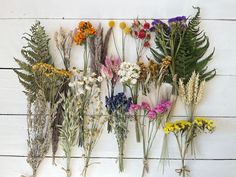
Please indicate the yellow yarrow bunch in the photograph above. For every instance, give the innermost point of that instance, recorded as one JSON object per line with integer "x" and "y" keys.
{"x": 177, "y": 126}
{"x": 49, "y": 70}
{"x": 204, "y": 123}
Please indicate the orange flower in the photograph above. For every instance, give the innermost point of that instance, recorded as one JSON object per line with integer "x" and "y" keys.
{"x": 84, "y": 30}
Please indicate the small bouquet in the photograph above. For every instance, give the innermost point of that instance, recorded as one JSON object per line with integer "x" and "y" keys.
{"x": 151, "y": 120}
{"x": 142, "y": 35}
{"x": 118, "y": 106}
{"x": 110, "y": 72}
{"x": 82, "y": 34}
{"x": 129, "y": 74}
{"x": 86, "y": 89}
{"x": 185, "y": 132}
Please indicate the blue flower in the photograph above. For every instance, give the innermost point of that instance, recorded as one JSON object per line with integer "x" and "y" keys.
{"x": 118, "y": 102}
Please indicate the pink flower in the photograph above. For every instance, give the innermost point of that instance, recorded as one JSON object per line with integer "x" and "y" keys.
{"x": 152, "y": 114}
{"x": 134, "y": 107}
{"x": 106, "y": 72}
{"x": 162, "y": 107}
{"x": 145, "y": 106}
{"x": 111, "y": 68}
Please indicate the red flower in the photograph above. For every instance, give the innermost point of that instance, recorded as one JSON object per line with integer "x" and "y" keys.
{"x": 135, "y": 33}
{"x": 146, "y": 44}
{"x": 146, "y": 25}
{"x": 142, "y": 34}
{"x": 148, "y": 36}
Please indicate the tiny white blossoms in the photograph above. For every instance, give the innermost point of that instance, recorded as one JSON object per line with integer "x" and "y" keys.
{"x": 129, "y": 73}
{"x": 83, "y": 84}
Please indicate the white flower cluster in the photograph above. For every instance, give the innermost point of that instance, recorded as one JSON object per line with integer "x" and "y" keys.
{"x": 83, "y": 84}
{"x": 129, "y": 73}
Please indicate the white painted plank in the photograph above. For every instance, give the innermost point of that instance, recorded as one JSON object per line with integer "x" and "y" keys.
{"x": 219, "y": 145}
{"x": 13, "y": 100}
{"x": 224, "y": 58}
{"x": 114, "y": 9}
{"x": 14, "y": 167}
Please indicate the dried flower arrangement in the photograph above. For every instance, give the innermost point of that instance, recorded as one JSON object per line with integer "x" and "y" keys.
{"x": 65, "y": 104}
{"x": 41, "y": 82}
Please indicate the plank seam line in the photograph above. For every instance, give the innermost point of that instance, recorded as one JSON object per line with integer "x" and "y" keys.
{"x": 96, "y": 18}
{"x": 216, "y": 117}
{"x": 8, "y": 68}
{"x": 128, "y": 158}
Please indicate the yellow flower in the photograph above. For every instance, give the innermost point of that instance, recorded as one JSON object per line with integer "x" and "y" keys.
{"x": 122, "y": 25}
{"x": 127, "y": 30}
{"x": 111, "y": 23}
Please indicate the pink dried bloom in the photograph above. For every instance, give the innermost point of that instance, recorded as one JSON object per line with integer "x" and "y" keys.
{"x": 145, "y": 106}
{"x": 162, "y": 107}
{"x": 134, "y": 107}
{"x": 152, "y": 114}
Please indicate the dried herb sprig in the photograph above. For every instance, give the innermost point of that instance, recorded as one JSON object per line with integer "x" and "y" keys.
{"x": 69, "y": 128}
{"x": 93, "y": 124}
{"x": 64, "y": 42}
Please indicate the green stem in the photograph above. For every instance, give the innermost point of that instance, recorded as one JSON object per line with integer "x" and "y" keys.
{"x": 121, "y": 156}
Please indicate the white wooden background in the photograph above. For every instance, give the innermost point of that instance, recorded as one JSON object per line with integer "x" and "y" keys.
{"x": 216, "y": 153}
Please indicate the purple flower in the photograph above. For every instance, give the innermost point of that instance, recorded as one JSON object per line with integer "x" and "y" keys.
{"x": 178, "y": 19}
{"x": 152, "y": 114}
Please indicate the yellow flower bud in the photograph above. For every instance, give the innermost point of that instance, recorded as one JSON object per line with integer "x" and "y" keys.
{"x": 122, "y": 25}
{"x": 111, "y": 23}
{"x": 127, "y": 30}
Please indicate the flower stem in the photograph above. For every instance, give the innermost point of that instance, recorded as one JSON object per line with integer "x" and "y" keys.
{"x": 121, "y": 157}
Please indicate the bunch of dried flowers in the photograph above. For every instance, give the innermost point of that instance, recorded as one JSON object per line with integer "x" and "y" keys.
{"x": 185, "y": 132}
{"x": 118, "y": 105}
{"x": 150, "y": 122}
{"x": 83, "y": 32}
{"x": 64, "y": 42}
{"x": 142, "y": 35}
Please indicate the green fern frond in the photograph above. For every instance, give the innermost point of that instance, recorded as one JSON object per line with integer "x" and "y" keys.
{"x": 190, "y": 48}
{"x": 36, "y": 50}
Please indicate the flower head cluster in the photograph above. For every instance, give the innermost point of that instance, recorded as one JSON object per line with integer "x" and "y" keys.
{"x": 49, "y": 70}
{"x": 152, "y": 113}
{"x": 111, "y": 68}
{"x": 142, "y": 32}
{"x": 204, "y": 123}
{"x": 177, "y": 21}
{"x": 129, "y": 73}
{"x": 83, "y": 83}
{"x": 179, "y": 126}
{"x": 149, "y": 70}
{"x": 83, "y": 31}
{"x": 118, "y": 102}
{"x": 155, "y": 24}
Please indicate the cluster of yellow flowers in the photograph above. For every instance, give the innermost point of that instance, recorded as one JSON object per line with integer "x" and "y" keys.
{"x": 177, "y": 126}
{"x": 182, "y": 125}
{"x": 49, "y": 70}
{"x": 122, "y": 25}
{"x": 204, "y": 123}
